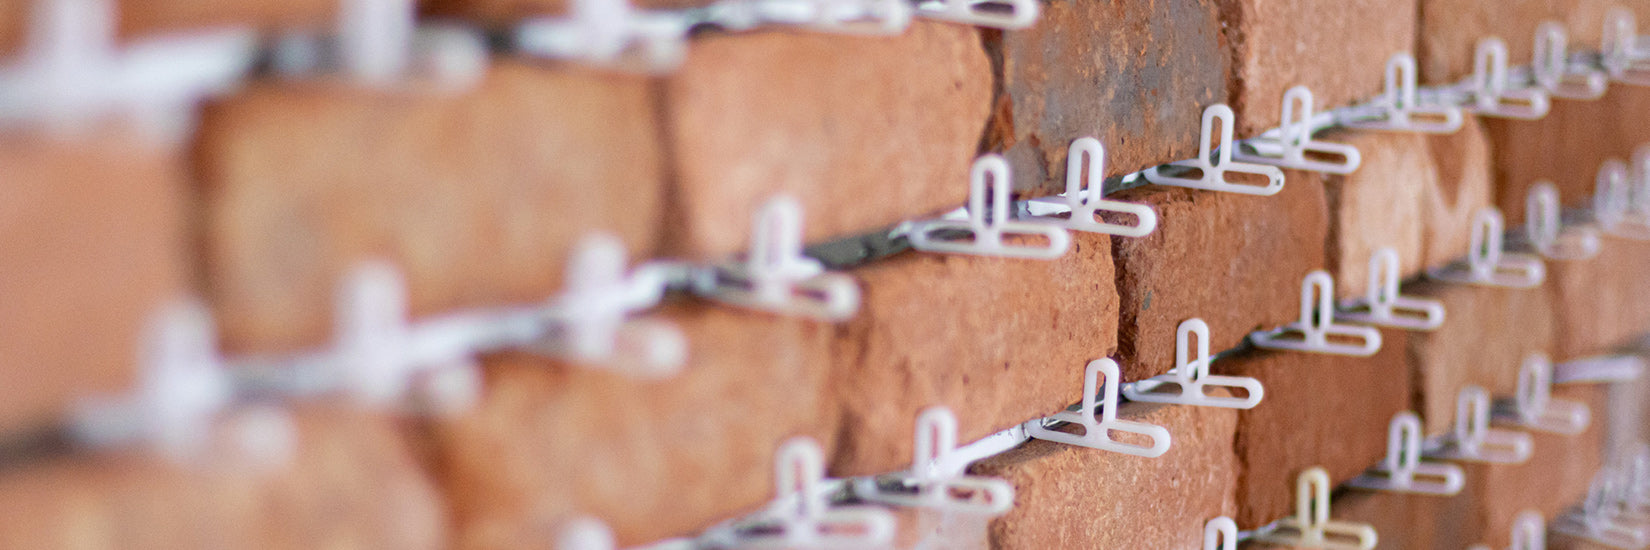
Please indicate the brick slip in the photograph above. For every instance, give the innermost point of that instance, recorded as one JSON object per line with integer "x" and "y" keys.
{"x": 1566, "y": 147}
{"x": 820, "y": 117}
{"x": 1376, "y": 207}
{"x": 1460, "y": 186}
{"x": 1555, "y": 477}
{"x": 1450, "y": 30}
{"x": 1600, "y": 302}
{"x": 471, "y": 195}
{"x": 652, "y": 458}
{"x": 1076, "y": 497}
{"x": 1135, "y": 75}
{"x": 1296, "y": 427}
{"x": 1236, "y": 261}
{"x": 1486, "y": 335}
{"x": 92, "y": 230}
{"x": 999, "y": 341}
{"x": 1337, "y": 48}
{"x": 353, "y": 482}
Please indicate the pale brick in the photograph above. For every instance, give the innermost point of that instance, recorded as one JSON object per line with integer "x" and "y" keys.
{"x": 1378, "y": 206}
{"x": 1486, "y": 335}
{"x": 1461, "y": 186}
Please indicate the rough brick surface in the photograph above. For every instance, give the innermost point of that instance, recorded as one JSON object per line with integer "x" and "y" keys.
{"x": 999, "y": 341}
{"x": 352, "y": 483}
{"x": 820, "y": 117}
{"x": 93, "y": 233}
{"x": 471, "y": 195}
{"x": 1487, "y": 333}
{"x": 1599, "y": 302}
{"x": 1076, "y": 497}
{"x": 1337, "y": 48}
{"x": 1450, "y": 29}
{"x": 1378, "y": 206}
{"x": 1555, "y": 477}
{"x": 1236, "y": 261}
{"x": 1566, "y": 147}
{"x": 1135, "y": 75}
{"x": 652, "y": 458}
{"x": 1460, "y": 187}
{"x": 1319, "y": 410}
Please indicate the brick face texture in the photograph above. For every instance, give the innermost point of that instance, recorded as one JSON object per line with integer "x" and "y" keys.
{"x": 1135, "y": 75}
{"x": 817, "y": 116}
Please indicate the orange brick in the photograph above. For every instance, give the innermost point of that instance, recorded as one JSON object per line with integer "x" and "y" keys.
{"x": 818, "y": 117}
{"x": 1450, "y": 29}
{"x": 472, "y": 195}
{"x": 1461, "y": 186}
{"x": 1378, "y": 206}
{"x": 1486, "y": 335}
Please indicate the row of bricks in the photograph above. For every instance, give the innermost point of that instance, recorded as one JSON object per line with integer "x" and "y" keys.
{"x": 549, "y": 440}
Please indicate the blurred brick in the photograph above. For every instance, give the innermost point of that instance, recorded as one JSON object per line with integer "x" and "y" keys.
{"x": 1486, "y": 335}
{"x": 864, "y": 131}
{"x": 1076, "y": 497}
{"x": 1135, "y": 75}
{"x": 1319, "y": 410}
{"x": 1567, "y": 147}
{"x": 93, "y": 232}
{"x": 1459, "y": 188}
{"x": 1337, "y": 48}
{"x": 1396, "y": 519}
{"x": 1450, "y": 30}
{"x": 1555, "y": 477}
{"x": 353, "y": 482}
{"x": 999, "y": 341}
{"x": 653, "y": 458}
{"x": 505, "y": 13}
{"x": 472, "y": 195}
{"x": 1236, "y": 261}
{"x": 1600, "y": 302}
{"x": 139, "y": 19}
{"x": 1378, "y": 206}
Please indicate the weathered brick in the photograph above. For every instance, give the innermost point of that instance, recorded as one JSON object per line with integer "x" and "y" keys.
{"x": 353, "y": 482}
{"x": 1555, "y": 477}
{"x": 1320, "y": 410}
{"x": 653, "y": 458}
{"x": 999, "y": 341}
{"x": 1378, "y": 206}
{"x": 1486, "y": 335}
{"x": 1135, "y": 75}
{"x": 819, "y": 117}
{"x": 472, "y": 195}
{"x": 1075, "y": 497}
{"x": 1460, "y": 187}
{"x": 1236, "y": 261}
{"x": 1337, "y": 48}
{"x": 94, "y": 235}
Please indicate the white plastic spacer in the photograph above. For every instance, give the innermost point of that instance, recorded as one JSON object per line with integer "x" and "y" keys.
{"x": 1085, "y": 205}
{"x": 1534, "y": 407}
{"x": 986, "y": 225}
{"x": 1487, "y": 264}
{"x": 592, "y": 313}
{"x": 1313, "y": 332}
{"x": 803, "y": 517}
{"x": 1384, "y": 306}
{"x": 1003, "y": 14}
{"x": 1311, "y": 527}
{"x": 1551, "y": 65}
{"x": 1492, "y": 95}
{"x": 609, "y": 33}
{"x": 1543, "y": 227}
{"x": 1097, "y": 430}
{"x": 1212, "y": 174}
{"x": 1621, "y": 198}
{"x": 584, "y": 533}
{"x": 925, "y": 486}
{"x": 1289, "y": 144}
{"x": 1402, "y": 471}
{"x": 1599, "y": 517}
{"x": 1620, "y": 53}
{"x": 1398, "y": 109}
{"x": 1191, "y": 376}
{"x": 776, "y": 276}
{"x": 1473, "y": 440}
{"x": 1220, "y": 533}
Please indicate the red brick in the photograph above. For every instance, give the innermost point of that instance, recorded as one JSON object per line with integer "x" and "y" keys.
{"x": 818, "y": 116}
{"x": 1076, "y": 497}
{"x": 1461, "y": 186}
{"x": 1319, "y": 410}
{"x": 471, "y": 195}
{"x": 1567, "y": 147}
{"x": 1486, "y": 335}
{"x": 352, "y": 482}
{"x": 1135, "y": 75}
{"x": 1236, "y": 261}
{"x": 1378, "y": 206}
{"x": 653, "y": 458}
{"x": 1277, "y": 45}
{"x": 94, "y": 234}
{"x": 1555, "y": 477}
{"x": 1599, "y": 302}
{"x": 960, "y": 331}
{"x": 1450, "y": 29}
